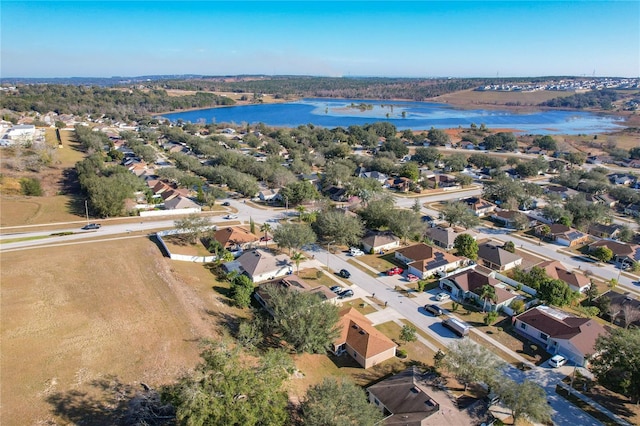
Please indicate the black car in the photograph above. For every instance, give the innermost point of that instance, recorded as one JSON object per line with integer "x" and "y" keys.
{"x": 226, "y": 204}
{"x": 344, "y": 273}
{"x": 427, "y": 218}
{"x": 434, "y": 310}
{"x": 345, "y": 293}
{"x": 336, "y": 289}
{"x": 91, "y": 226}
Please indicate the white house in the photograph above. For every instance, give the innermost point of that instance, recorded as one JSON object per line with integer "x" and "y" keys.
{"x": 261, "y": 265}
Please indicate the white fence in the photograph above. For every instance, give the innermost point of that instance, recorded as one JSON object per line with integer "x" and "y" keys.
{"x": 182, "y": 257}
{"x": 174, "y": 212}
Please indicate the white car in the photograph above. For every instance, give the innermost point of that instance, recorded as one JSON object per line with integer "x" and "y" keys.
{"x": 442, "y": 296}
{"x": 557, "y": 361}
{"x": 356, "y": 251}
{"x": 231, "y": 216}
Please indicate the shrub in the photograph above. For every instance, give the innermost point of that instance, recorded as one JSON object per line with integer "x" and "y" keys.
{"x": 401, "y": 353}
{"x": 31, "y": 186}
{"x": 490, "y": 317}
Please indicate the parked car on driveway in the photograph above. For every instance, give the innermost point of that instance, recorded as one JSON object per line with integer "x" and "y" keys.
{"x": 336, "y": 288}
{"x": 263, "y": 238}
{"x": 345, "y": 293}
{"x": 91, "y": 226}
{"x": 354, "y": 251}
{"x": 442, "y": 296}
{"x": 231, "y": 216}
{"x": 344, "y": 273}
{"x": 411, "y": 277}
{"x": 226, "y": 204}
{"x": 557, "y": 361}
{"x": 395, "y": 271}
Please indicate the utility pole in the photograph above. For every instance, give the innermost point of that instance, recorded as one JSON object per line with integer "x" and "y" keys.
{"x": 86, "y": 210}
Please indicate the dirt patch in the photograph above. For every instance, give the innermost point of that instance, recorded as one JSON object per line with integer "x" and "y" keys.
{"x": 95, "y": 312}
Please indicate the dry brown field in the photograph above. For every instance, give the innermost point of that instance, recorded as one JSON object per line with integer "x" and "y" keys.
{"x": 487, "y": 99}
{"x": 21, "y": 210}
{"x": 79, "y": 320}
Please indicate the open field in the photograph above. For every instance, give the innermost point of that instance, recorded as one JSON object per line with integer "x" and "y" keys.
{"x": 90, "y": 316}
{"x": 21, "y": 210}
{"x": 487, "y": 99}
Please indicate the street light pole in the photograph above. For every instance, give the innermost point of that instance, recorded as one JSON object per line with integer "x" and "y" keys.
{"x": 86, "y": 210}
{"x": 620, "y": 270}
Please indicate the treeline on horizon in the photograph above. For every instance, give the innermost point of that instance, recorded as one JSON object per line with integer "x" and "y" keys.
{"x": 113, "y": 103}
{"x": 594, "y": 99}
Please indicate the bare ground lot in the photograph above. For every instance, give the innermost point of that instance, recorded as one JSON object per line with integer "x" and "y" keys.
{"x": 488, "y": 99}
{"x": 79, "y": 319}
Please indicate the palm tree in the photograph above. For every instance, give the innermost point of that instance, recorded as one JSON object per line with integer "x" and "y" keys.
{"x": 298, "y": 257}
{"x": 301, "y": 210}
{"x": 265, "y": 228}
{"x": 487, "y": 292}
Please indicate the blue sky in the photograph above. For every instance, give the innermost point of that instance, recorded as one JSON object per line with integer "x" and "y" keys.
{"x": 412, "y": 39}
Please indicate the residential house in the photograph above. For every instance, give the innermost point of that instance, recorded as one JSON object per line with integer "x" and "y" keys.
{"x": 536, "y": 150}
{"x": 361, "y": 340}
{"x": 622, "y": 252}
{"x": 260, "y": 265}
{"x": 293, "y": 283}
{"x": 468, "y": 285}
{"x": 479, "y": 206}
{"x": 404, "y": 399}
{"x": 560, "y": 190}
{"x": 557, "y": 271}
{"x": 445, "y": 237}
{"x": 441, "y": 181}
{"x": 270, "y": 195}
{"x": 606, "y": 199}
{"x": 632, "y": 210}
{"x": 563, "y": 235}
{"x": 624, "y": 304}
{"x": 400, "y": 183}
{"x": 380, "y": 177}
{"x": 497, "y": 258}
{"x": 507, "y": 218}
{"x": 560, "y": 332}
{"x": 601, "y": 230}
{"x": 424, "y": 261}
{"x": 181, "y": 202}
{"x": 336, "y": 193}
{"x": 235, "y": 238}
{"x": 621, "y": 179}
{"x": 375, "y": 242}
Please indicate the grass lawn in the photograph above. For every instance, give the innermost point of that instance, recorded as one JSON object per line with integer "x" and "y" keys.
{"x": 362, "y": 268}
{"x": 99, "y": 314}
{"x": 616, "y": 403}
{"x": 361, "y": 306}
{"x": 20, "y": 210}
{"x": 416, "y": 351}
{"x": 70, "y": 152}
{"x": 177, "y": 246}
{"x": 425, "y": 336}
{"x": 381, "y": 263}
{"x": 314, "y": 278}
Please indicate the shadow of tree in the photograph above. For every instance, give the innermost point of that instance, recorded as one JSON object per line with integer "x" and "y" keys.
{"x": 111, "y": 402}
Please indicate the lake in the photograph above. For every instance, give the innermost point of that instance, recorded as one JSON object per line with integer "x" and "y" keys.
{"x": 332, "y": 113}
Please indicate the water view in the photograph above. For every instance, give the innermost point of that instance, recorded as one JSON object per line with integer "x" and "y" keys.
{"x": 404, "y": 115}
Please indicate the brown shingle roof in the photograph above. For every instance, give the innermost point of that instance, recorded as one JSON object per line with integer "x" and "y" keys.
{"x": 557, "y": 271}
{"x": 356, "y": 330}
{"x": 229, "y": 237}
{"x": 496, "y": 255}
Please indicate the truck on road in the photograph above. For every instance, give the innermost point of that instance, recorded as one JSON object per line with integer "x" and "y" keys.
{"x": 459, "y": 327}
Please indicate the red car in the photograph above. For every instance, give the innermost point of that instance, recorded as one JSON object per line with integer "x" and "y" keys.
{"x": 411, "y": 277}
{"x": 395, "y": 271}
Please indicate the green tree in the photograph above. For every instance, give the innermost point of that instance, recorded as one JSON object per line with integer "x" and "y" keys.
{"x": 299, "y": 192}
{"x": 509, "y": 246}
{"x": 416, "y": 206}
{"x": 487, "y": 292}
{"x": 405, "y": 224}
{"x": 456, "y": 162}
{"x": 490, "y": 317}
{"x": 603, "y": 254}
{"x": 226, "y": 390}
{"x": 617, "y": 365}
{"x": 302, "y": 319}
{"x": 241, "y": 290}
{"x": 438, "y": 359}
{"x": 266, "y": 228}
{"x": 438, "y": 137}
{"x": 31, "y": 187}
{"x": 556, "y": 292}
{"x": 466, "y": 246}
{"x": 297, "y": 258}
{"x": 426, "y": 155}
{"x": 410, "y": 170}
{"x": 377, "y": 213}
{"x": 525, "y": 400}
{"x": 544, "y": 230}
{"x": 193, "y": 227}
{"x": 334, "y": 225}
{"x": 472, "y": 363}
{"x": 294, "y": 235}
{"x": 338, "y": 403}
{"x": 546, "y": 142}
{"x": 408, "y": 334}
{"x": 625, "y": 234}
{"x": 591, "y": 293}
{"x": 463, "y": 180}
